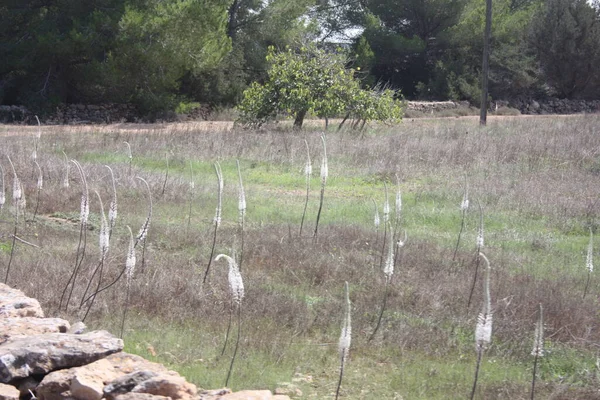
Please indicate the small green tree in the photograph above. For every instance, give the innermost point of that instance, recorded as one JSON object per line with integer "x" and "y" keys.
{"x": 312, "y": 80}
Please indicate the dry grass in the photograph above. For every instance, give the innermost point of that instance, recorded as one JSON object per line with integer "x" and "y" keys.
{"x": 538, "y": 179}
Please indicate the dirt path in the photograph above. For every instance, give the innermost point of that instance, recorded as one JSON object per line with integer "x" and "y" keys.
{"x": 173, "y": 127}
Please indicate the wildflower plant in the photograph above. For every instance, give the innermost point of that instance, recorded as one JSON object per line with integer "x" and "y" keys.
{"x": 236, "y": 289}
{"x": 345, "y": 338}
{"x": 538, "y": 346}
{"x": 483, "y": 329}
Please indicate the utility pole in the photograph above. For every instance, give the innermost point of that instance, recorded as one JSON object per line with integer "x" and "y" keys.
{"x": 486, "y": 62}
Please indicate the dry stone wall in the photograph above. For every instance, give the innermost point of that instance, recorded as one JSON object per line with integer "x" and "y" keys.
{"x": 48, "y": 359}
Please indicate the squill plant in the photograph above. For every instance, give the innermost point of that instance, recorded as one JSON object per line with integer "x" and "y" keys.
{"x": 103, "y": 244}
{"x": 386, "y": 224}
{"x": 2, "y": 189}
{"x": 143, "y": 232}
{"x": 162, "y": 193}
{"x": 217, "y": 219}
{"x": 241, "y": 213}
{"x": 81, "y": 246}
{"x": 398, "y": 210}
{"x": 324, "y": 175}
{"x": 192, "y": 186}
{"x": 17, "y": 195}
{"x": 129, "y": 156}
{"x": 464, "y": 206}
{"x": 376, "y": 221}
{"x": 479, "y": 246}
{"x": 113, "y": 206}
{"x": 129, "y": 270}
{"x": 483, "y": 331}
{"x": 345, "y": 339}
{"x": 236, "y": 288}
{"x": 538, "y": 346}
{"x": 589, "y": 262}
{"x": 39, "y": 187}
{"x": 65, "y": 181}
{"x": 307, "y": 175}
{"x": 36, "y": 142}
{"x": 388, "y": 272}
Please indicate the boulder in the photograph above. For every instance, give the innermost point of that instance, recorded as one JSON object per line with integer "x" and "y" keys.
{"x": 14, "y": 303}
{"x": 8, "y": 392}
{"x": 21, "y": 357}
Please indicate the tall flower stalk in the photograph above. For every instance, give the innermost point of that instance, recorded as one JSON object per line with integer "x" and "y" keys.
{"x": 103, "y": 244}
{"x": 483, "y": 331}
{"x": 129, "y": 156}
{"x": 324, "y": 175}
{"x": 388, "y": 272}
{"x": 479, "y": 246}
{"x": 538, "y": 347}
{"x": 464, "y": 206}
{"x": 376, "y": 221}
{"x": 17, "y": 195}
{"x": 217, "y": 219}
{"x": 307, "y": 175}
{"x": 241, "y": 213}
{"x": 39, "y": 187}
{"x": 2, "y": 189}
{"x": 65, "y": 180}
{"x": 113, "y": 206}
{"x": 589, "y": 262}
{"x": 129, "y": 270}
{"x": 345, "y": 339}
{"x": 162, "y": 193}
{"x": 84, "y": 212}
{"x": 192, "y": 187}
{"x": 236, "y": 288}
{"x": 386, "y": 224}
{"x": 143, "y": 232}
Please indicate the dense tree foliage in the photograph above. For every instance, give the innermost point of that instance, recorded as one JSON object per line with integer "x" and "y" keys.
{"x": 158, "y": 53}
{"x": 312, "y": 80}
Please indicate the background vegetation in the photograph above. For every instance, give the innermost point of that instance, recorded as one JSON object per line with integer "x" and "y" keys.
{"x": 537, "y": 179}
{"x": 157, "y": 54}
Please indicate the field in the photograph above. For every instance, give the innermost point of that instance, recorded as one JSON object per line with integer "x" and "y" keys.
{"x": 537, "y": 180}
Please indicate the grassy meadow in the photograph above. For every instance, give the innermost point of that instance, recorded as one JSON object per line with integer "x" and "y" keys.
{"x": 537, "y": 180}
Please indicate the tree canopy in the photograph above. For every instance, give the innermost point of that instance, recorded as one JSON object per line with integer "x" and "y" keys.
{"x": 158, "y": 53}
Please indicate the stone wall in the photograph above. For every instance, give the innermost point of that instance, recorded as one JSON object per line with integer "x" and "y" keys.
{"x": 434, "y": 106}
{"x": 48, "y": 359}
{"x": 554, "y": 106}
{"x": 93, "y": 114}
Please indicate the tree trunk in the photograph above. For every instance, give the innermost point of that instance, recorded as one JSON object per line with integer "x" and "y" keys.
{"x": 300, "y": 119}
{"x": 232, "y": 22}
{"x": 486, "y": 62}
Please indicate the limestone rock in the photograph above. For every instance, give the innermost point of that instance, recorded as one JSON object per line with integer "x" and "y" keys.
{"x": 252, "y": 395}
{"x": 14, "y": 303}
{"x": 140, "y": 396}
{"x": 56, "y": 385}
{"x": 27, "y": 326}
{"x": 168, "y": 385}
{"x": 77, "y": 328}
{"x": 88, "y": 381}
{"x": 213, "y": 394}
{"x": 126, "y": 383}
{"x": 8, "y": 392}
{"x": 21, "y": 357}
